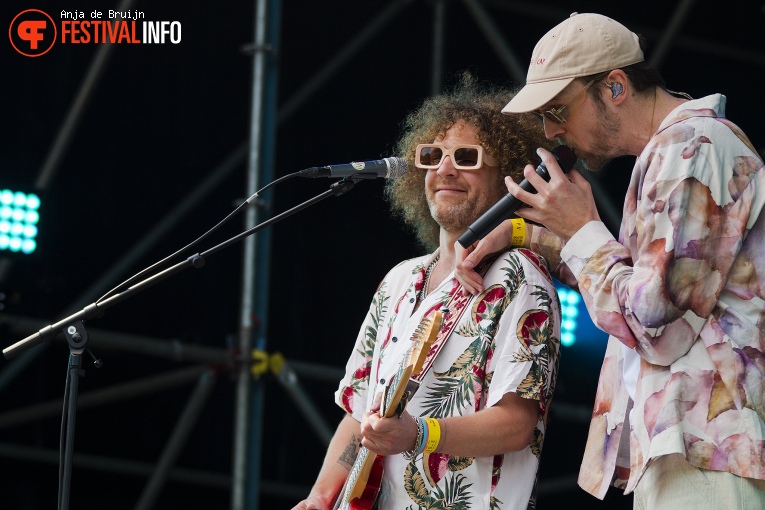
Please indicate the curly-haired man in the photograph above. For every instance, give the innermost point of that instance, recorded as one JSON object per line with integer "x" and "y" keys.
{"x": 472, "y": 431}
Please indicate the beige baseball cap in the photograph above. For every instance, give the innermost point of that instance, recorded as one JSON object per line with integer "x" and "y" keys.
{"x": 582, "y": 45}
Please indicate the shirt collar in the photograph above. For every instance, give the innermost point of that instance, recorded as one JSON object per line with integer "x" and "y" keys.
{"x": 709, "y": 106}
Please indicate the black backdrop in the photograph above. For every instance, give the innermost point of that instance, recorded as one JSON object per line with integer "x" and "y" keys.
{"x": 158, "y": 122}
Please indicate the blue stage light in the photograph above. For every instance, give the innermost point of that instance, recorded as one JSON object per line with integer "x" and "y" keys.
{"x": 569, "y": 312}
{"x": 576, "y": 324}
{"x": 18, "y": 221}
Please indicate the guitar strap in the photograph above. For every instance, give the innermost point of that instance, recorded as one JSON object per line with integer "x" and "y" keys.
{"x": 455, "y": 308}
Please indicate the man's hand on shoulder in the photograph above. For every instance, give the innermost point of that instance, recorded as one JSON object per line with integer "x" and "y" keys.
{"x": 468, "y": 258}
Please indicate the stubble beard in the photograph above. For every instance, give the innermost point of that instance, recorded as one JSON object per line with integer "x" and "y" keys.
{"x": 603, "y": 148}
{"x": 455, "y": 218}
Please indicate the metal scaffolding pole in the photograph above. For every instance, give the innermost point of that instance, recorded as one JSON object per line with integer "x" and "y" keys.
{"x": 177, "y": 440}
{"x": 98, "y": 397}
{"x": 246, "y": 468}
{"x": 350, "y": 49}
{"x": 497, "y": 41}
{"x": 67, "y": 129}
{"x": 291, "y": 384}
{"x": 439, "y": 36}
{"x": 668, "y": 35}
{"x": 254, "y": 483}
{"x": 117, "y": 466}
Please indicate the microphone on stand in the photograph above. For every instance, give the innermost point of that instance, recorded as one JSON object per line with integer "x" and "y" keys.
{"x": 508, "y": 204}
{"x": 386, "y": 168}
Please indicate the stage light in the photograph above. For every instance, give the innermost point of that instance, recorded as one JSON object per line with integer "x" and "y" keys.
{"x": 576, "y": 324}
{"x": 28, "y": 246}
{"x": 18, "y": 221}
{"x": 569, "y": 300}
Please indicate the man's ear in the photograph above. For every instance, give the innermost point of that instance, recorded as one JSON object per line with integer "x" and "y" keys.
{"x": 618, "y": 84}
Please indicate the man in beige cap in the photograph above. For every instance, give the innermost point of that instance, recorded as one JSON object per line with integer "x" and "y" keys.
{"x": 679, "y": 413}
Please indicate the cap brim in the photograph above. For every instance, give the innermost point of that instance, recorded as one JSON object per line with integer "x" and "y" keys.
{"x": 535, "y": 95}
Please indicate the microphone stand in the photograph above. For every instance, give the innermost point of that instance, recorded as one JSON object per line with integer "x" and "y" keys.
{"x": 73, "y": 328}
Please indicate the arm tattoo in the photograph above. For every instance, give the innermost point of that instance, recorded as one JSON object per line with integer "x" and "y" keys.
{"x": 349, "y": 454}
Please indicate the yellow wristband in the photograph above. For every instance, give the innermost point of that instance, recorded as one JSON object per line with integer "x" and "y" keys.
{"x": 518, "y": 236}
{"x": 434, "y": 434}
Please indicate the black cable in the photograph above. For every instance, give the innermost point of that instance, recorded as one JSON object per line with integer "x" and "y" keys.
{"x": 62, "y": 437}
{"x": 197, "y": 241}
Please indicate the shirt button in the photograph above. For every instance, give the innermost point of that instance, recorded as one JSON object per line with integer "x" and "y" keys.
{"x": 382, "y": 381}
{"x": 394, "y": 339}
{"x": 411, "y": 300}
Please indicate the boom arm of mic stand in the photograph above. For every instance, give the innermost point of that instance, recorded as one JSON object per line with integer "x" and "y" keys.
{"x": 197, "y": 260}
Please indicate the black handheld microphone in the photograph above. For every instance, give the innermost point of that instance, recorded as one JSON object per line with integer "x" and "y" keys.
{"x": 387, "y": 168}
{"x": 508, "y": 204}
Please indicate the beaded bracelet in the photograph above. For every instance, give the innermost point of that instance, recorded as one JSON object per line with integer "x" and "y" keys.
{"x": 418, "y": 439}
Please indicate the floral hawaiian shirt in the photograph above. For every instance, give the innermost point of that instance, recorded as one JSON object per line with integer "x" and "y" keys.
{"x": 503, "y": 340}
{"x": 684, "y": 288}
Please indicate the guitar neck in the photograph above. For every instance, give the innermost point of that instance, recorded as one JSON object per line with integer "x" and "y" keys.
{"x": 357, "y": 479}
{"x": 394, "y": 401}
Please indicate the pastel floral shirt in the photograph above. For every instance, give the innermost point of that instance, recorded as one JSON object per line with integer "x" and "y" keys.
{"x": 503, "y": 340}
{"x": 684, "y": 288}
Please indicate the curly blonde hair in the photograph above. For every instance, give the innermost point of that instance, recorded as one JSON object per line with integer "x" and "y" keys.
{"x": 510, "y": 139}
